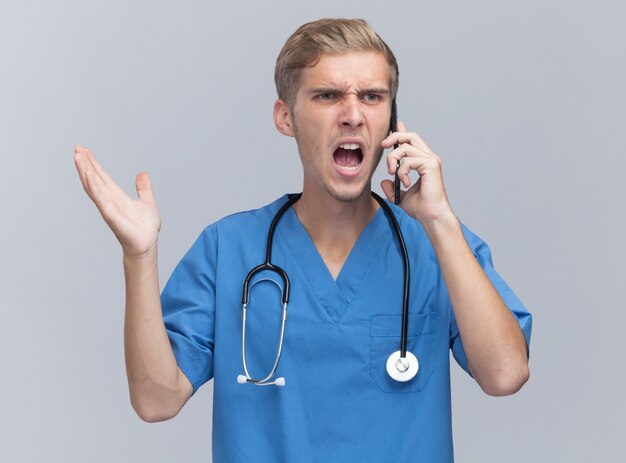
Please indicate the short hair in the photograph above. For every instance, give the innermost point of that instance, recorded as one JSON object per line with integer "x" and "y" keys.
{"x": 307, "y": 44}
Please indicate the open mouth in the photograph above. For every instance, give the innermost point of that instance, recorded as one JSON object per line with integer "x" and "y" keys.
{"x": 348, "y": 156}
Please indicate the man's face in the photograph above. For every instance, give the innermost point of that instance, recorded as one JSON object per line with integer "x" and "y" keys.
{"x": 339, "y": 119}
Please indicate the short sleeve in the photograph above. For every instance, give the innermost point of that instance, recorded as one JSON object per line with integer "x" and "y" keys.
{"x": 524, "y": 318}
{"x": 188, "y": 303}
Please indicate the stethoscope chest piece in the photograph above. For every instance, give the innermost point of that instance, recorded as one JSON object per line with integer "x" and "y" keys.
{"x": 402, "y": 369}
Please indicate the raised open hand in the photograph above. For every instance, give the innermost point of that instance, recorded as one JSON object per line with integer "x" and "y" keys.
{"x": 135, "y": 222}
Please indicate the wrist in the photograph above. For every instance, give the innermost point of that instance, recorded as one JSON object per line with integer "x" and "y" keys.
{"x": 443, "y": 228}
{"x": 133, "y": 258}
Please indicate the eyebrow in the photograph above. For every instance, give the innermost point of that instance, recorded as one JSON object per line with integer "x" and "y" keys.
{"x": 378, "y": 90}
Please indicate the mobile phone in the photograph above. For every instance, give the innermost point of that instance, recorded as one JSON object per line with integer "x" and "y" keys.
{"x": 393, "y": 127}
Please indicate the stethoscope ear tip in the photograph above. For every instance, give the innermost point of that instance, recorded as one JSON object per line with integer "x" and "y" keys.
{"x": 280, "y": 381}
{"x": 242, "y": 379}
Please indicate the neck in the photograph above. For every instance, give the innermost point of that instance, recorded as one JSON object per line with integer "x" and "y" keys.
{"x": 333, "y": 225}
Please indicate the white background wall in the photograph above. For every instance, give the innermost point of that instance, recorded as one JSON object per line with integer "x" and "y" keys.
{"x": 524, "y": 101}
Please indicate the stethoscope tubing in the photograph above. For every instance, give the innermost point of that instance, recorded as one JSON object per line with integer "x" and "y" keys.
{"x": 407, "y": 274}
{"x": 264, "y": 381}
{"x": 268, "y": 266}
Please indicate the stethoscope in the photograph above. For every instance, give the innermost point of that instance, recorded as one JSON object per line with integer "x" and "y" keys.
{"x": 401, "y": 365}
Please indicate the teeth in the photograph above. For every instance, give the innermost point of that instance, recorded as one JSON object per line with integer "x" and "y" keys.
{"x": 349, "y": 146}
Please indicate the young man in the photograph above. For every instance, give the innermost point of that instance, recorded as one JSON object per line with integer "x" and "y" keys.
{"x": 336, "y": 81}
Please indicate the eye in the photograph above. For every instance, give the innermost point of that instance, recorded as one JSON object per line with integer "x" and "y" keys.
{"x": 371, "y": 98}
{"x": 326, "y": 96}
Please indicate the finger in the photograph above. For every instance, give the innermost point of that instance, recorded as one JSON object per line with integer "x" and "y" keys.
{"x": 85, "y": 161}
{"x": 388, "y": 190}
{"x": 95, "y": 191}
{"x": 83, "y": 165}
{"x": 80, "y": 167}
{"x": 421, "y": 165}
{"x": 403, "y": 151}
{"x": 105, "y": 200}
{"x": 392, "y": 138}
{"x": 421, "y": 144}
{"x": 406, "y": 167}
{"x": 403, "y": 136}
{"x": 144, "y": 187}
{"x": 82, "y": 158}
{"x": 403, "y": 175}
{"x": 430, "y": 166}
{"x": 106, "y": 178}
{"x": 410, "y": 138}
{"x": 392, "y": 165}
{"x": 412, "y": 159}
{"x": 97, "y": 167}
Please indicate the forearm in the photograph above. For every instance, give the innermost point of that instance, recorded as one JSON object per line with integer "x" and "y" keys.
{"x": 157, "y": 387}
{"x": 492, "y": 339}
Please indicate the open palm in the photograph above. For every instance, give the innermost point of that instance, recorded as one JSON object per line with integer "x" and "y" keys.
{"x": 135, "y": 222}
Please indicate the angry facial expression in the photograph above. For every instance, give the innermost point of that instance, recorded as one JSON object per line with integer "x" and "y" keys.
{"x": 339, "y": 118}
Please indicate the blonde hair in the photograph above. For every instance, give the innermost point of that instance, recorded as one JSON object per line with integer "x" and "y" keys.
{"x": 306, "y": 45}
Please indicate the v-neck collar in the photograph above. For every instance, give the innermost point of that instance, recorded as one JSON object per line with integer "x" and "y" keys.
{"x": 335, "y": 296}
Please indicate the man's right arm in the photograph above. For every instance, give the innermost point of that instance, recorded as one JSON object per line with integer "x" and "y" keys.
{"x": 158, "y": 388}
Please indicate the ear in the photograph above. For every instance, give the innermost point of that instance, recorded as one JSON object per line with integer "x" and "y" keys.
{"x": 283, "y": 118}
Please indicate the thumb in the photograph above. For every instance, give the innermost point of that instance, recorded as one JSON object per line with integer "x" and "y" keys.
{"x": 144, "y": 186}
{"x": 387, "y": 186}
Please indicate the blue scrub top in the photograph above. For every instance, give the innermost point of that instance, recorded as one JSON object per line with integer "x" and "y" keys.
{"x": 338, "y": 404}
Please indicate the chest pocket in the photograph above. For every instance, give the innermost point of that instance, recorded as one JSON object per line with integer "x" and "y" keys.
{"x": 385, "y": 339}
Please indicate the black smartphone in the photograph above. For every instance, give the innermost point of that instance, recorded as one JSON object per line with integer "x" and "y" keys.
{"x": 393, "y": 127}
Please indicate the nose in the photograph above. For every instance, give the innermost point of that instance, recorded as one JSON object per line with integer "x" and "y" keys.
{"x": 351, "y": 114}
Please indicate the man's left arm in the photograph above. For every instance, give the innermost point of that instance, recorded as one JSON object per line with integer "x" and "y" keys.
{"x": 492, "y": 339}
